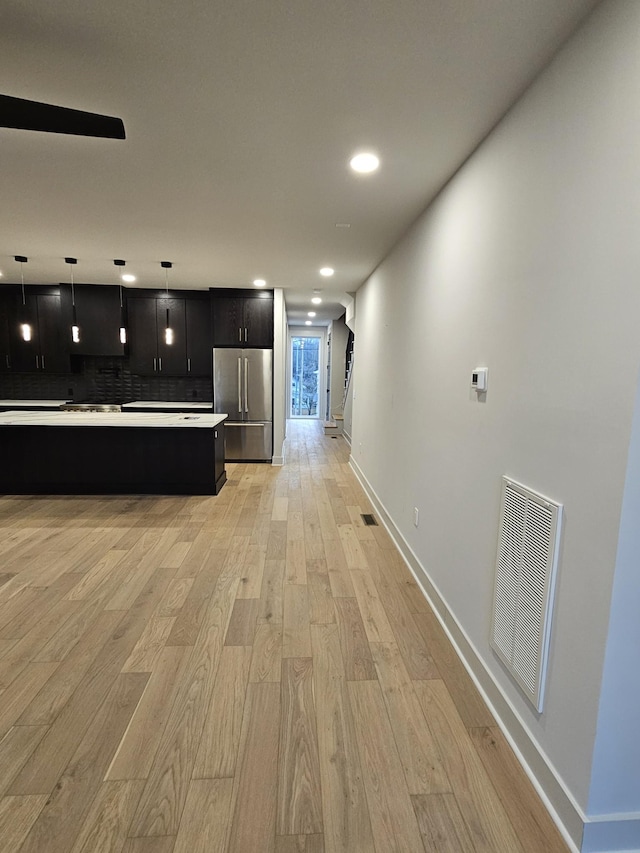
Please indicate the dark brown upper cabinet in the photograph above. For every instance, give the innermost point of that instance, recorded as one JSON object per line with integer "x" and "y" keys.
{"x": 149, "y": 353}
{"x": 188, "y": 354}
{"x": 198, "y": 319}
{"x": 49, "y": 345}
{"x": 99, "y": 318}
{"x": 7, "y": 312}
{"x": 242, "y": 318}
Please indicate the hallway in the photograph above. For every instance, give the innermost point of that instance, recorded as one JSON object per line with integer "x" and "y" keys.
{"x": 255, "y": 672}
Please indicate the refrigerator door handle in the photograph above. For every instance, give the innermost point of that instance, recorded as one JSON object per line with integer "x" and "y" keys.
{"x": 244, "y": 424}
{"x": 239, "y": 384}
{"x": 246, "y": 385}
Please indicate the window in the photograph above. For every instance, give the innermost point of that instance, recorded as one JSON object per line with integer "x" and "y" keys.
{"x": 305, "y": 376}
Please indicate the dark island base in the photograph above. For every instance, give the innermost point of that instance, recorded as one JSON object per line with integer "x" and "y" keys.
{"x": 69, "y": 460}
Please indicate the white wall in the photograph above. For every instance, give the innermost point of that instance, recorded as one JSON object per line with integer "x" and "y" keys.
{"x": 616, "y": 765}
{"x": 616, "y": 759}
{"x": 527, "y": 263}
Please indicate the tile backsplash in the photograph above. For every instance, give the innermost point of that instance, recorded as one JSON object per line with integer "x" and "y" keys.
{"x": 102, "y": 380}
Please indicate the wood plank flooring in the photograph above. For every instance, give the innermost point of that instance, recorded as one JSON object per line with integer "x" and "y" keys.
{"x": 255, "y": 672}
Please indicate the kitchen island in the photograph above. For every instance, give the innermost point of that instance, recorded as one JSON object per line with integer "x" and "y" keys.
{"x": 111, "y": 453}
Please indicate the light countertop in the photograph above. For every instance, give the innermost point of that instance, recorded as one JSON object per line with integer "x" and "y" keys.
{"x": 32, "y": 404}
{"x": 177, "y": 407}
{"x": 111, "y": 419}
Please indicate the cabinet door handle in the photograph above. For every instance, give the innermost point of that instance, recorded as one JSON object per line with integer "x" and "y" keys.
{"x": 160, "y": 365}
{"x": 245, "y": 334}
{"x": 37, "y": 363}
{"x": 8, "y": 363}
{"x": 239, "y": 334}
{"x": 188, "y": 365}
{"x": 43, "y": 362}
{"x": 154, "y": 364}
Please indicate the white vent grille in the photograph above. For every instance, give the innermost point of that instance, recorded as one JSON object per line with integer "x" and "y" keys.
{"x": 528, "y": 543}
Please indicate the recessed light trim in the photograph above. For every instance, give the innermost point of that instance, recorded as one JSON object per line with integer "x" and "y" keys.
{"x": 259, "y": 282}
{"x": 316, "y": 300}
{"x": 128, "y": 277}
{"x": 364, "y": 163}
{"x": 307, "y": 322}
{"x": 327, "y": 271}
{"x": 311, "y": 313}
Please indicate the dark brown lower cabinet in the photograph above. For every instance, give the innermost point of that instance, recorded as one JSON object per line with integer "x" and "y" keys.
{"x": 65, "y": 460}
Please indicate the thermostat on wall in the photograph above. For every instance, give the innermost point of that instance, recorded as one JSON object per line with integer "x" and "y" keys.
{"x": 479, "y": 378}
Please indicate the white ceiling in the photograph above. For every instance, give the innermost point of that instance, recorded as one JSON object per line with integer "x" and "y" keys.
{"x": 241, "y": 116}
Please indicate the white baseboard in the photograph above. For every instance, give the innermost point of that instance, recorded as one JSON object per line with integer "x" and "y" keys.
{"x": 280, "y": 460}
{"x": 561, "y": 805}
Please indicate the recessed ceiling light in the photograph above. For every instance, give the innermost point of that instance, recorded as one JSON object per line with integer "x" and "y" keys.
{"x": 343, "y": 225}
{"x": 307, "y": 322}
{"x": 311, "y": 313}
{"x": 327, "y": 271}
{"x": 316, "y": 300}
{"x": 128, "y": 277}
{"x": 364, "y": 163}
{"x": 259, "y": 282}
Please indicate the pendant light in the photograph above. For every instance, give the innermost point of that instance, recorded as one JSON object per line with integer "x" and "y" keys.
{"x": 25, "y": 327}
{"x": 123, "y": 326}
{"x": 75, "y": 329}
{"x": 168, "y": 331}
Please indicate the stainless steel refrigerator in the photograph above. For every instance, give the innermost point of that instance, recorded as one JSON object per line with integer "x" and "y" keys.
{"x": 243, "y": 389}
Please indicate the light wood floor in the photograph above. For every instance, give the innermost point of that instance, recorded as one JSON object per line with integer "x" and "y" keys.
{"x": 252, "y": 672}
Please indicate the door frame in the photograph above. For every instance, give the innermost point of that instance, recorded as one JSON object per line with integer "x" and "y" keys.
{"x": 309, "y": 332}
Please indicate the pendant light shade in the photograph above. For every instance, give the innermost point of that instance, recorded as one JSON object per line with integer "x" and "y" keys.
{"x": 25, "y": 326}
{"x": 75, "y": 329}
{"x": 168, "y": 331}
{"x": 123, "y": 325}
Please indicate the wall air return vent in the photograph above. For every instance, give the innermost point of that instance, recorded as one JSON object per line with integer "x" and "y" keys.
{"x": 528, "y": 546}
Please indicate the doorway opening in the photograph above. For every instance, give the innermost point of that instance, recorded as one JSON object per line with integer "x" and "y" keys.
{"x": 306, "y": 363}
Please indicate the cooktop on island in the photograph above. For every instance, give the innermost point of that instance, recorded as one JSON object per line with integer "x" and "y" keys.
{"x": 91, "y": 407}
